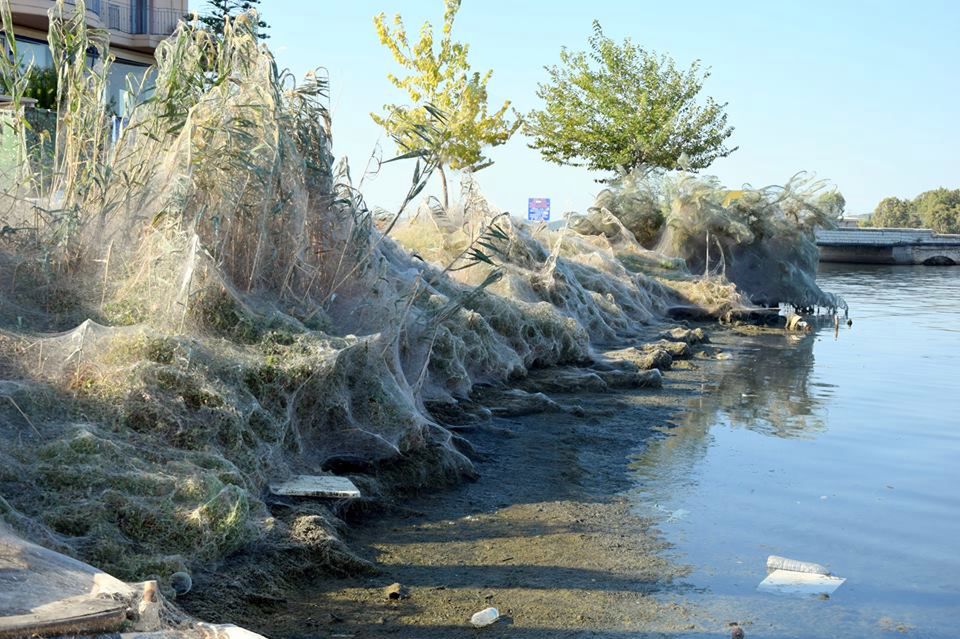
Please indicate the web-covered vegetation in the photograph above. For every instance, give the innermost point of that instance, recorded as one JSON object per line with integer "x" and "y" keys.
{"x": 760, "y": 239}
{"x": 207, "y": 304}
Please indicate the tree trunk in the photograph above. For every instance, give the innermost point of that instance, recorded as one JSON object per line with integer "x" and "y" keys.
{"x": 443, "y": 181}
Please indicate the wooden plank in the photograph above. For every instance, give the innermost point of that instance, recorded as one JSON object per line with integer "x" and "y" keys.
{"x": 77, "y": 615}
{"x": 324, "y": 486}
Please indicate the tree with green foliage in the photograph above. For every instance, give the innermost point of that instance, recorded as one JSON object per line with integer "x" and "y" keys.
{"x": 439, "y": 75}
{"x": 41, "y": 85}
{"x": 619, "y": 106}
{"x": 894, "y": 212}
{"x": 218, "y": 11}
{"x": 832, "y": 203}
{"x": 939, "y": 209}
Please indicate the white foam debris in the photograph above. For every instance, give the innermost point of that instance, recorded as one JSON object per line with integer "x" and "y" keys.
{"x": 789, "y": 582}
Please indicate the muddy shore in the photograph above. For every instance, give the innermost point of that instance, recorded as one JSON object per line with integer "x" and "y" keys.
{"x": 545, "y": 534}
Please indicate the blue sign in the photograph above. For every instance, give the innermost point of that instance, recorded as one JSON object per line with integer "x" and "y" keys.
{"x": 538, "y": 209}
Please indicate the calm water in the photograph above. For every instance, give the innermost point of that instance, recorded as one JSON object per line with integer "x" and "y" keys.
{"x": 844, "y": 451}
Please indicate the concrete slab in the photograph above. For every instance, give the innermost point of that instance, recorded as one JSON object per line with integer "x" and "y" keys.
{"x": 322, "y": 486}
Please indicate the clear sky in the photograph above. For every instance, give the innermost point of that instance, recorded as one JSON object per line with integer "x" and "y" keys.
{"x": 865, "y": 94}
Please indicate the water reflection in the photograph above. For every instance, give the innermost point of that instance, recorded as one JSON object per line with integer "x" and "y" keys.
{"x": 852, "y": 464}
{"x": 767, "y": 389}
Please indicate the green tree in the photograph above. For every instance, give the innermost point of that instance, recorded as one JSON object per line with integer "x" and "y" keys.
{"x": 41, "y": 85}
{"x": 832, "y": 203}
{"x": 939, "y": 210}
{"x": 894, "y": 212}
{"x": 618, "y": 107}
{"x": 439, "y": 75}
{"x": 219, "y": 10}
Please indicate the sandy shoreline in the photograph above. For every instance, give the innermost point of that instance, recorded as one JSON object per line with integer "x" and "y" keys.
{"x": 545, "y": 534}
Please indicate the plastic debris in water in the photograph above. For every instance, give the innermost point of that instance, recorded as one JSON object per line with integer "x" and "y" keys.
{"x": 793, "y": 577}
{"x": 775, "y": 562}
{"x": 788, "y": 582}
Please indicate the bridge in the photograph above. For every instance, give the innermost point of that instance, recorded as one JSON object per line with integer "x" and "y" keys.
{"x": 888, "y": 246}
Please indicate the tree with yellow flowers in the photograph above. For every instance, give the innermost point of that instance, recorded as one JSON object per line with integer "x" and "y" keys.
{"x": 440, "y": 76}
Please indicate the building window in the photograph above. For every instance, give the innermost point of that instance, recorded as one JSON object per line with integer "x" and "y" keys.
{"x": 140, "y": 16}
{"x": 35, "y": 52}
{"x": 120, "y": 95}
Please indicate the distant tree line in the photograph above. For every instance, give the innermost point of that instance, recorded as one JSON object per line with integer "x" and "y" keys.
{"x": 938, "y": 209}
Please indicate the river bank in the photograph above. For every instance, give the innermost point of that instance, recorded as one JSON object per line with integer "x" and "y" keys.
{"x": 838, "y": 447}
{"x": 184, "y": 347}
{"x": 642, "y": 512}
{"x": 545, "y": 534}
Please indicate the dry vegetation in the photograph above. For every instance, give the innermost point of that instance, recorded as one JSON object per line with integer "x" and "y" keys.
{"x": 207, "y": 304}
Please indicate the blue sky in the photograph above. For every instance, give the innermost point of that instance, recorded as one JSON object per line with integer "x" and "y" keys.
{"x": 866, "y": 94}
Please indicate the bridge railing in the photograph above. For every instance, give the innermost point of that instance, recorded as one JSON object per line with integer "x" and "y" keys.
{"x": 881, "y": 236}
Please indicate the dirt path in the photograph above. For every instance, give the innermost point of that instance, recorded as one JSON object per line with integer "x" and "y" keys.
{"x": 545, "y": 535}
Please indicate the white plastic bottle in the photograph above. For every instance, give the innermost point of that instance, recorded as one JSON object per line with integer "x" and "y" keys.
{"x": 485, "y": 617}
{"x": 775, "y": 562}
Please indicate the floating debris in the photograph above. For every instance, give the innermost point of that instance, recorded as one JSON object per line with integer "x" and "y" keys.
{"x": 775, "y": 562}
{"x": 788, "y": 582}
{"x": 793, "y": 577}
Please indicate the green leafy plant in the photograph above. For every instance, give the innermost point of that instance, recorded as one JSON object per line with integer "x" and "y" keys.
{"x": 41, "y": 85}
{"x": 441, "y": 76}
{"x": 619, "y": 106}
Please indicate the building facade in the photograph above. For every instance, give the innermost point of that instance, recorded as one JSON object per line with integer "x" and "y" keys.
{"x": 136, "y": 28}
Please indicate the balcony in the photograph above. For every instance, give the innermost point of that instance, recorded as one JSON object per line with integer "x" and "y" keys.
{"x": 136, "y": 28}
{"x": 136, "y": 18}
